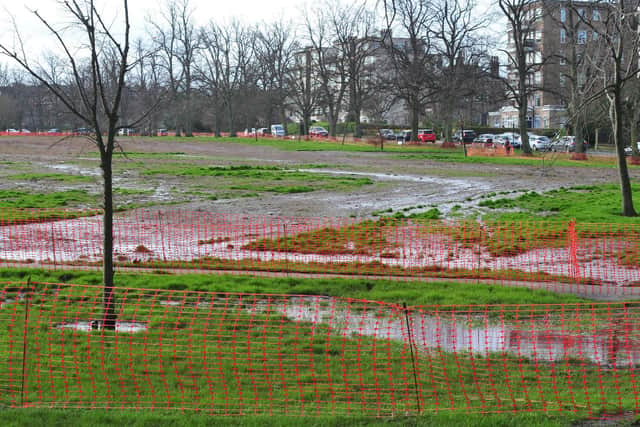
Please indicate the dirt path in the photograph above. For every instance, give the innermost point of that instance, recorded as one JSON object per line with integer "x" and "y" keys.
{"x": 400, "y": 182}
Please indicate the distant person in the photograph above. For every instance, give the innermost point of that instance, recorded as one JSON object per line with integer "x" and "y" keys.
{"x": 507, "y": 146}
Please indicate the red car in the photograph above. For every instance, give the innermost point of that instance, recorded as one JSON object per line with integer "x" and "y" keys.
{"x": 426, "y": 135}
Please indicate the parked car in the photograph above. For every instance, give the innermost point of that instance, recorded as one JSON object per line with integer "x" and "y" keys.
{"x": 539, "y": 143}
{"x": 24, "y": 130}
{"x": 13, "y": 131}
{"x": 485, "y": 138}
{"x": 403, "y": 136}
{"x": 628, "y": 151}
{"x": 467, "y": 136}
{"x": 318, "y": 131}
{"x": 82, "y": 131}
{"x": 426, "y": 135}
{"x": 162, "y": 132}
{"x": 277, "y": 130}
{"x": 387, "y": 134}
{"x": 566, "y": 143}
{"x": 514, "y": 139}
{"x": 53, "y": 130}
{"x": 126, "y": 132}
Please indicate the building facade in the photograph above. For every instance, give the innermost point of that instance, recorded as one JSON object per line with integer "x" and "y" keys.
{"x": 559, "y": 33}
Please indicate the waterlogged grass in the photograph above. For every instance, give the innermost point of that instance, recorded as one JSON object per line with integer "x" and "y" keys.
{"x": 412, "y": 292}
{"x": 21, "y": 199}
{"x": 364, "y": 238}
{"x": 236, "y": 359}
{"x": 257, "y": 179}
{"x": 57, "y": 177}
{"x": 541, "y": 160}
{"x": 594, "y": 204}
{"x": 20, "y": 206}
{"x": 132, "y": 192}
{"x": 499, "y": 238}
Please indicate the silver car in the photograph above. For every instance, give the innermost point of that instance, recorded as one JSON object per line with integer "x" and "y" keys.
{"x": 539, "y": 143}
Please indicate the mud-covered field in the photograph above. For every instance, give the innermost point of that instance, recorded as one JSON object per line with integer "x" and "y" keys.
{"x": 327, "y": 183}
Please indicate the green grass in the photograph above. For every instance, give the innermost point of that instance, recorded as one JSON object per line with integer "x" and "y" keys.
{"x": 536, "y": 159}
{"x": 21, "y": 206}
{"x": 57, "y": 177}
{"x": 257, "y": 179}
{"x": 64, "y": 418}
{"x": 240, "y": 348}
{"x": 414, "y": 293}
{"x": 593, "y": 204}
{"x": 69, "y": 198}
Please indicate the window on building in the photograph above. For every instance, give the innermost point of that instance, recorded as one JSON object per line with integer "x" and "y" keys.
{"x": 538, "y": 12}
{"x": 581, "y": 13}
{"x": 582, "y": 37}
{"x": 538, "y": 100}
{"x": 537, "y": 78}
{"x": 562, "y": 80}
{"x": 594, "y": 36}
{"x": 563, "y": 35}
{"x": 596, "y": 15}
{"x": 563, "y": 14}
{"x": 563, "y": 59}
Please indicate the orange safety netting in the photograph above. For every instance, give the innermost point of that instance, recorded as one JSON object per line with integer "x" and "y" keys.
{"x": 227, "y": 353}
{"x": 594, "y": 259}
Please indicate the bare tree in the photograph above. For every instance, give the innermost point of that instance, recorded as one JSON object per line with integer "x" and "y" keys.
{"x": 328, "y": 63}
{"x": 354, "y": 27}
{"x": 411, "y": 56}
{"x": 178, "y": 42}
{"x": 616, "y": 58}
{"x": 224, "y": 67}
{"x": 304, "y": 92}
{"x": 524, "y": 62}
{"x": 274, "y": 51}
{"x": 455, "y": 32}
{"x": 91, "y": 88}
{"x": 578, "y": 76}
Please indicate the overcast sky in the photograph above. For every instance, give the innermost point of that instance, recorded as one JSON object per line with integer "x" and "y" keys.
{"x": 248, "y": 11}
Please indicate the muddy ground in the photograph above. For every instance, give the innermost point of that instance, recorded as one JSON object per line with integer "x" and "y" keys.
{"x": 400, "y": 182}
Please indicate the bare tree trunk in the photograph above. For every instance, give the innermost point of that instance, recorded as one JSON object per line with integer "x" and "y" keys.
{"x": 415, "y": 119}
{"x": 615, "y": 112}
{"x": 108, "y": 299}
{"x": 522, "y": 117}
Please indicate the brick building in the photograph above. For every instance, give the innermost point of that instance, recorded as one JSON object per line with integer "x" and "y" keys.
{"x": 557, "y": 30}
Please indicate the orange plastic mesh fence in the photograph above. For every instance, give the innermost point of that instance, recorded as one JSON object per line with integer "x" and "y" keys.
{"x": 556, "y": 256}
{"x": 226, "y": 353}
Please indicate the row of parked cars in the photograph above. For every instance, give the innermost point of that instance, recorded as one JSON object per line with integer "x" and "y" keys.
{"x": 424, "y": 135}
{"x": 536, "y": 142}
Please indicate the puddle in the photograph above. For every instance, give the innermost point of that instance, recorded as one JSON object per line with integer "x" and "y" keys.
{"x": 75, "y": 170}
{"x": 460, "y": 335}
{"x": 89, "y": 325}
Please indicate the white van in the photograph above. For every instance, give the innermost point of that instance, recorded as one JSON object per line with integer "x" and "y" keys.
{"x": 277, "y": 130}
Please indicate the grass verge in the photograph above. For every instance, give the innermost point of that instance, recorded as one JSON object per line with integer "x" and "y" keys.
{"x": 412, "y": 292}
{"x": 63, "y": 418}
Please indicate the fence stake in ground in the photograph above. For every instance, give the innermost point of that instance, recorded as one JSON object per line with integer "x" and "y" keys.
{"x": 27, "y": 307}
{"x": 413, "y": 359}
